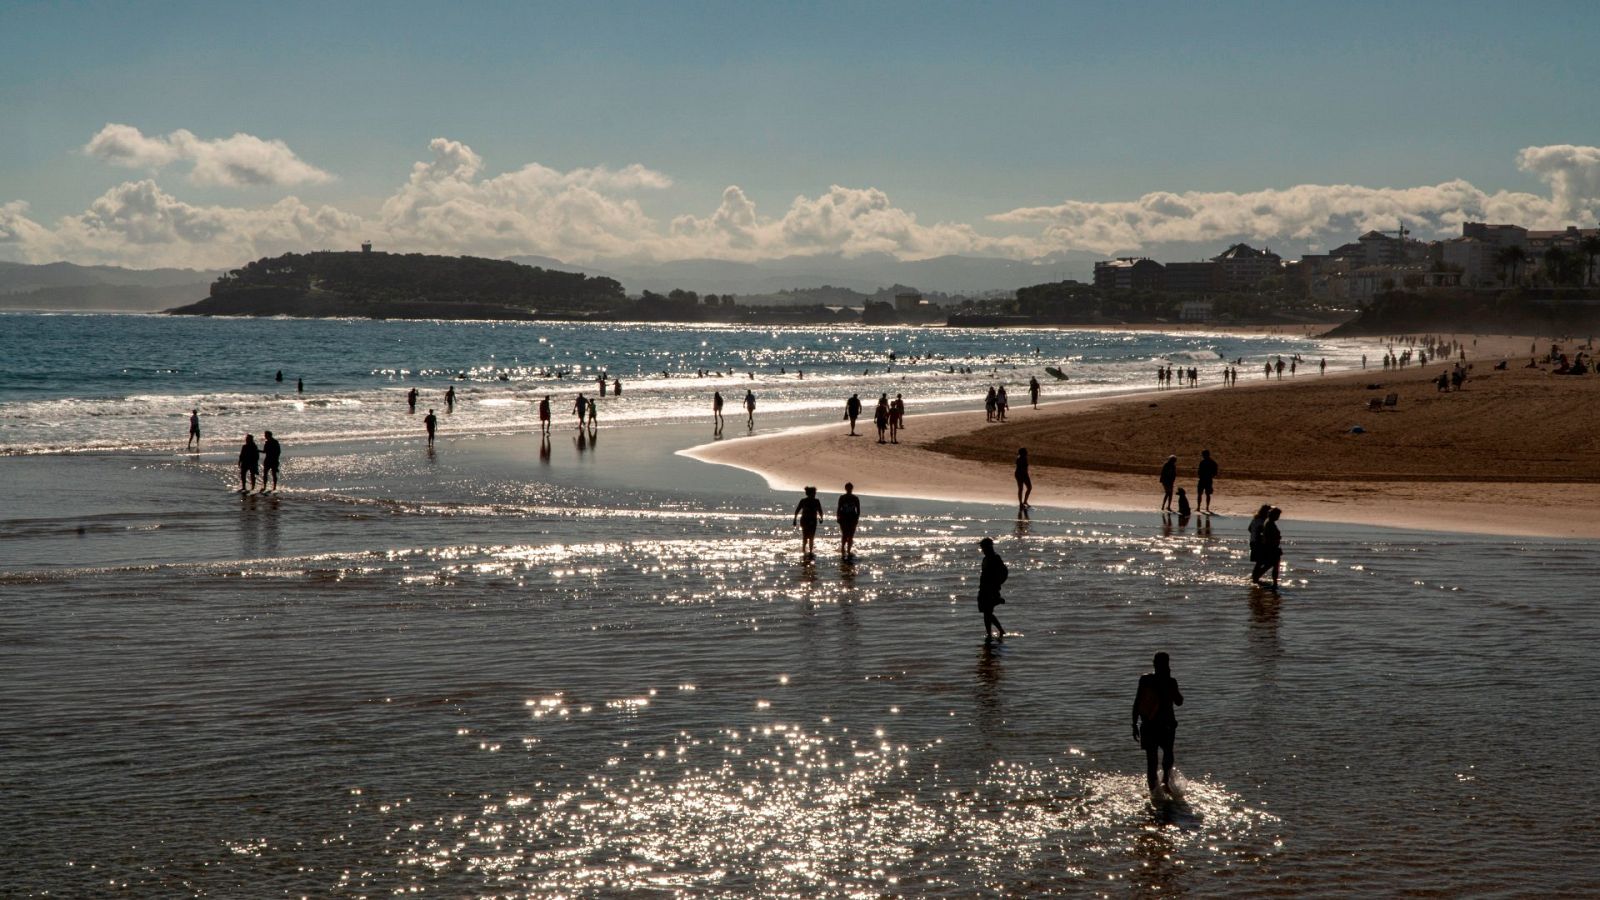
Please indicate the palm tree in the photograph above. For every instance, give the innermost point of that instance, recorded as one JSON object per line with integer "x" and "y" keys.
{"x": 1511, "y": 258}
{"x": 1555, "y": 263}
{"x": 1590, "y": 247}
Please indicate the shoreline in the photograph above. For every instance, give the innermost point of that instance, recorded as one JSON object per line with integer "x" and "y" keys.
{"x": 956, "y": 457}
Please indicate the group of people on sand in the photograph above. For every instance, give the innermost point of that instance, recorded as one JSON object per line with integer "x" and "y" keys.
{"x": 1205, "y": 485}
{"x": 889, "y": 416}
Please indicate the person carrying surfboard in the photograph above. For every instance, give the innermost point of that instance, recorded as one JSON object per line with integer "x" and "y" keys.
{"x": 1155, "y": 724}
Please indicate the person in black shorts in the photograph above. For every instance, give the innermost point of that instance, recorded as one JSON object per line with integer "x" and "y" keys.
{"x": 249, "y": 463}
{"x": 1155, "y": 725}
{"x": 847, "y": 514}
{"x": 194, "y": 429}
{"x": 271, "y": 454}
{"x": 852, "y": 411}
{"x": 431, "y": 422}
{"x": 1024, "y": 480}
{"x": 1203, "y": 486}
{"x": 806, "y": 514}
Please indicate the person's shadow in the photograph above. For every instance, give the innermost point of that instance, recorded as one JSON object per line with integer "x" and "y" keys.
{"x": 1024, "y": 522}
{"x": 989, "y": 708}
{"x": 544, "y": 450}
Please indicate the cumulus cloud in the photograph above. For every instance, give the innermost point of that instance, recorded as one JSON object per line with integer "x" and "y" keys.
{"x": 449, "y": 203}
{"x": 1318, "y": 212}
{"x": 242, "y": 160}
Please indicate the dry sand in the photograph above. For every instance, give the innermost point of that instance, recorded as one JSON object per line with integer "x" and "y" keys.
{"x": 1514, "y": 452}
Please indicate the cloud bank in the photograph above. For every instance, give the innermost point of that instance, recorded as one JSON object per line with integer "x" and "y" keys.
{"x": 243, "y": 160}
{"x": 451, "y": 204}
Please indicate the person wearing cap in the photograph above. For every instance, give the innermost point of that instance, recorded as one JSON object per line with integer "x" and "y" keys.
{"x": 993, "y": 575}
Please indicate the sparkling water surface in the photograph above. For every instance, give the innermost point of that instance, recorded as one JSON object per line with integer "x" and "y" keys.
{"x": 504, "y": 669}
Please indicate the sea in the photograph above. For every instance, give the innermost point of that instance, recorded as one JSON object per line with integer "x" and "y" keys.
{"x": 589, "y": 666}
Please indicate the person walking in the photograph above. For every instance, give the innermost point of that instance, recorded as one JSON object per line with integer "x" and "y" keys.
{"x": 848, "y": 513}
{"x": 749, "y": 408}
{"x": 993, "y": 574}
{"x": 271, "y": 457}
{"x": 581, "y": 407}
{"x": 1155, "y": 722}
{"x": 1024, "y": 480}
{"x": 194, "y": 430}
{"x": 880, "y": 417}
{"x": 1257, "y": 554}
{"x": 544, "y": 415}
{"x": 1271, "y": 547}
{"x": 411, "y": 401}
{"x": 897, "y": 418}
{"x": 1033, "y": 390}
{"x": 1205, "y": 482}
{"x": 249, "y": 463}
{"x": 716, "y": 409}
{"x": 852, "y": 411}
{"x": 806, "y": 514}
{"x": 1169, "y": 477}
{"x": 430, "y": 422}
{"x": 450, "y": 400}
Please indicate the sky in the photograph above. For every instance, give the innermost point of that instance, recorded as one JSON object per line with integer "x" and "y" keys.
{"x": 206, "y": 135}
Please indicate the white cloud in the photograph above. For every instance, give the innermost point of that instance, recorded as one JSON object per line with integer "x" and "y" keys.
{"x": 1318, "y": 213}
{"x": 449, "y": 205}
{"x": 242, "y": 160}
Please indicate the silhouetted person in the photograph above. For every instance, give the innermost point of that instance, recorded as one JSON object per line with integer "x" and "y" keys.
{"x": 1271, "y": 547}
{"x": 594, "y": 412}
{"x": 1204, "y": 484}
{"x": 602, "y": 384}
{"x": 249, "y": 463}
{"x": 279, "y": 377}
{"x": 544, "y": 414}
{"x": 430, "y": 422}
{"x": 880, "y": 417}
{"x": 1169, "y": 477}
{"x": 450, "y": 400}
{"x": 847, "y": 514}
{"x": 1257, "y": 522}
{"x": 1183, "y": 507}
{"x": 616, "y": 387}
{"x": 411, "y": 401}
{"x": 1024, "y": 480}
{"x": 993, "y": 575}
{"x": 750, "y": 408}
{"x": 852, "y": 411}
{"x": 1033, "y": 391}
{"x": 581, "y": 407}
{"x": 897, "y": 418}
{"x": 806, "y": 515}
{"x": 299, "y": 385}
{"x": 1155, "y": 724}
{"x": 194, "y": 429}
{"x": 271, "y": 456}
{"x": 716, "y": 409}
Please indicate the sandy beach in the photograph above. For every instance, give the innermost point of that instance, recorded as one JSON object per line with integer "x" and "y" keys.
{"x": 1507, "y": 454}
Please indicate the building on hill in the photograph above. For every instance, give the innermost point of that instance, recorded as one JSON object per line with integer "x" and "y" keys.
{"x": 1477, "y": 259}
{"x": 1244, "y": 266}
{"x": 1569, "y": 238}
{"x": 1498, "y": 235}
{"x": 1129, "y": 273}
{"x": 1376, "y": 248}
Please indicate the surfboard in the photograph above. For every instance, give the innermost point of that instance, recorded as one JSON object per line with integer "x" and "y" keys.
{"x": 1057, "y": 373}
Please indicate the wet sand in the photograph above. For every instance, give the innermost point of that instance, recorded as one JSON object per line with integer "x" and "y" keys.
{"x": 1509, "y": 454}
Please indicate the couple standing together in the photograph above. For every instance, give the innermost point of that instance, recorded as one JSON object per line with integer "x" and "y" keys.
{"x": 847, "y": 513}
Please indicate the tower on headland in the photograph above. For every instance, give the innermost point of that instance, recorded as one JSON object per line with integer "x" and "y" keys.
{"x": 366, "y": 247}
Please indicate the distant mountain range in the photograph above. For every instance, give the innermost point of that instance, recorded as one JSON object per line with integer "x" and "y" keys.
{"x": 66, "y": 286}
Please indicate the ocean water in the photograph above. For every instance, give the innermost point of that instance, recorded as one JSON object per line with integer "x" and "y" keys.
{"x": 72, "y": 382}
{"x": 591, "y": 667}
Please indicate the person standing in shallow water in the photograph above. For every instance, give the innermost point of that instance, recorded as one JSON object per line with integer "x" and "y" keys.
{"x": 1155, "y": 723}
{"x": 194, "y": 429}
{"x": 848, "y": 514}
{"x": 750, "y": 408}
{"x": 990, "y": 578}
{"x": 716, "y": 409}
{"x": 1024, "y": 480}
{"x": 271, "y": 458}
{"x": 411, "y": 401}
{"x": 430, "y": 422}
{"x": 1169, "y": 477}
{"x": 249, "y": 463}
{"x": 450, "y": 400}
{"x": 544, "y": 414}
{"x": 1203, "y": 485}
{"x": 806, "y": 515}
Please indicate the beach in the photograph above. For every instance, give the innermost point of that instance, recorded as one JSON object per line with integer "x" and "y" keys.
{"x": 1504, "y": 455}
{"x": 591, "y": 665}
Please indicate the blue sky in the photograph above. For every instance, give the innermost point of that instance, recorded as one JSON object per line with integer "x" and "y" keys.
{"x": 954, "y": 112}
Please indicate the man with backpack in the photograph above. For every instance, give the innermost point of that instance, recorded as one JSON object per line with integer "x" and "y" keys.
{"x": 993, "y": 575}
